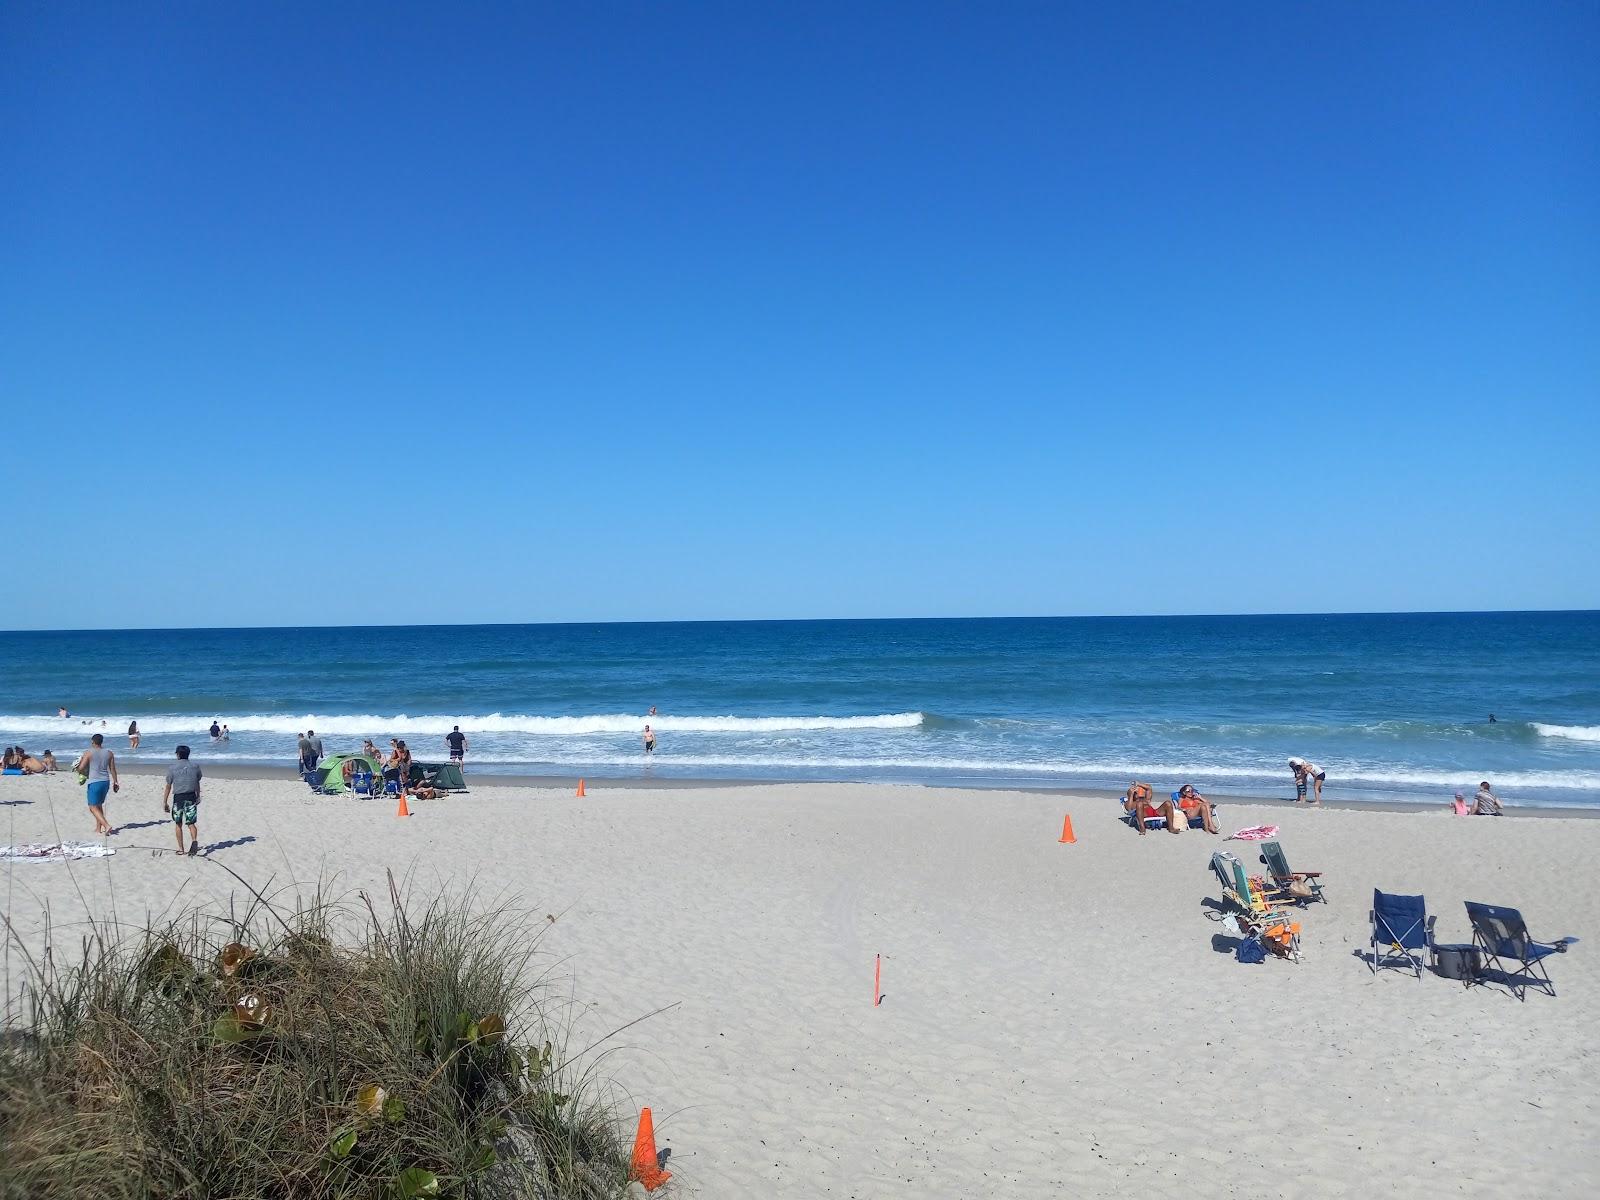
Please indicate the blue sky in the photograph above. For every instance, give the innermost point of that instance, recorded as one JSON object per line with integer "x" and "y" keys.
{"x": 368, "y": 314}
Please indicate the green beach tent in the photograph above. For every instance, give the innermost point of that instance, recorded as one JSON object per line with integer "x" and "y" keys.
{"x": 342, "y": 767}
{"x": 445, "y": 775}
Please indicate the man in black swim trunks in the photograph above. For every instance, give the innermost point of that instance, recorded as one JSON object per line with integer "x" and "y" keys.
{"x": 458, "y": 745}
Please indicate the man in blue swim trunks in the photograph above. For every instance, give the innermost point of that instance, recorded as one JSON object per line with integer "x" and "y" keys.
{"x": 182, "y": 799}
{"x": 98, "y": 766}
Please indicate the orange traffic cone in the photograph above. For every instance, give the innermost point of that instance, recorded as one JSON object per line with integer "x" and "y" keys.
{"x": 1066, "y": 830}
{"x": 646, "y": 1162}
{"x": 403, "y": 811}
{"x": 580, "y": 787}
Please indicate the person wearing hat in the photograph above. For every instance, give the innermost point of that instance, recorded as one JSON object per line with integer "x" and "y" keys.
{"x": 1307, "y": 773}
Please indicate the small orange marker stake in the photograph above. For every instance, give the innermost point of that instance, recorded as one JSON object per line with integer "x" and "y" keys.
{"x": 646, "y": 1162}
{"x": 1066, "y": 830}
{"x": 580, "y": 788}
{"x": 877, "y": 981}
{"x": 402, "y": 811}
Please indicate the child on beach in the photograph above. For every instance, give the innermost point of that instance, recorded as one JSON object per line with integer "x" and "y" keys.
{"x": 1307, "y": 773}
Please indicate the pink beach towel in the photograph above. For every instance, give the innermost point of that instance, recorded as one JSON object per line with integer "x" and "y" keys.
{"x": 1258, "y": 833}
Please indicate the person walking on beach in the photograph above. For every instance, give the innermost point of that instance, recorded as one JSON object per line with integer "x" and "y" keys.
{"x": 181, "y": 798}
{"x": 133, "y": 735}
{"x": 98, "y": 766}
{"x": 649, "y": 740}
{"x": 457, "y": 741}
{"x": 1486, "y": 803}
{"x": 1307, "y": 773}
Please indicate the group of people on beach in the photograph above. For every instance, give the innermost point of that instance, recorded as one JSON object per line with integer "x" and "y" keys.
{"x": 1139, "y": 802}
{"x": 19, "y": 762}
{"x": 96, "y": 769}
{"x": 1187, "y": 804}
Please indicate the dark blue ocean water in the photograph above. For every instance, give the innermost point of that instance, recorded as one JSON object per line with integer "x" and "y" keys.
{"x": 1391, "y": 706}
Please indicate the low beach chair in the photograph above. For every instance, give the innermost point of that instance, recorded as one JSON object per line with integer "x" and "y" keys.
{"x": 1277, "y": 864}
{"x": 361, "y": 783}
{"x": 1402, "y": 924}
{"x": 1128, "y": 818}
{"x": 1192, "y": 818}
{"x": 1501, "y": 935}
{"x": 1259, "y": 915}
{"x": 1237, "y": 888}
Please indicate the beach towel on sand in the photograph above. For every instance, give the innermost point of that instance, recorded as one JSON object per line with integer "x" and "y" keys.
{"x": 1257, "y": 833}
{"x": 53, "y": 852}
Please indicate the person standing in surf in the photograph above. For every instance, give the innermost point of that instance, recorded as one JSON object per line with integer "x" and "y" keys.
{"x": 649, "y": 740}
{"x": 133, "y": 735}
{"x": 98, "y": 766}
{"x": 1307, "y": 773}
{"x": 457, "y": 741}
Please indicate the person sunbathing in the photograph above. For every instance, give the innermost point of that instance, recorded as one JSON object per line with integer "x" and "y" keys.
{"x": 32, "y": 765}
{"x": 1138, "y": 801}
{"x": 1192, "y": 801}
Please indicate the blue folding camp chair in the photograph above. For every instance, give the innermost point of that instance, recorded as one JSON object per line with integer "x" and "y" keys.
{"x": 1402, "y": 924}
{"x": 1502, "y": 936}
{"x": 361, "y": 783}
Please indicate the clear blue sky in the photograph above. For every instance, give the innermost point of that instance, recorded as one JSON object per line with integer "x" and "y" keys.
{"x": 341, "y": 313}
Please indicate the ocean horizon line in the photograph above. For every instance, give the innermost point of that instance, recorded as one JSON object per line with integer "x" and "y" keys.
{"x": 613, "y": 624}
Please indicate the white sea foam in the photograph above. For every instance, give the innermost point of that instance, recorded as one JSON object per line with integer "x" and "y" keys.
{"x": 1575, "y": 733}
{"x": 401, "y": 725}
{"x": 1118, "y": 770}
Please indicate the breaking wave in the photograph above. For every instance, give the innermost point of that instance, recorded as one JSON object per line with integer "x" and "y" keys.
{"x": 1575, "y": 733}
{"x": 401, "y": 725}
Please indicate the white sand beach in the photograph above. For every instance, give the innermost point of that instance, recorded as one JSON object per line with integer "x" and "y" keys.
{"x": 1056, "y": 1020}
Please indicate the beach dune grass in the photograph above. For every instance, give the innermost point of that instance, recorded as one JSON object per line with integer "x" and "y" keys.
{"x": 355, "y": 1049}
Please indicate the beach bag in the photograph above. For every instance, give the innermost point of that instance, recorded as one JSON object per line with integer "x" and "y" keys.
{"x": 1251, "y": 950}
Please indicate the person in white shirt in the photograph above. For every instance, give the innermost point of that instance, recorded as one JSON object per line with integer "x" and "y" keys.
{"x": 1307, "y": 773}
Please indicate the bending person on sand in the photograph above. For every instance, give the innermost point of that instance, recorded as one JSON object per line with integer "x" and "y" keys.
{"x": 1307, "y": 773}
